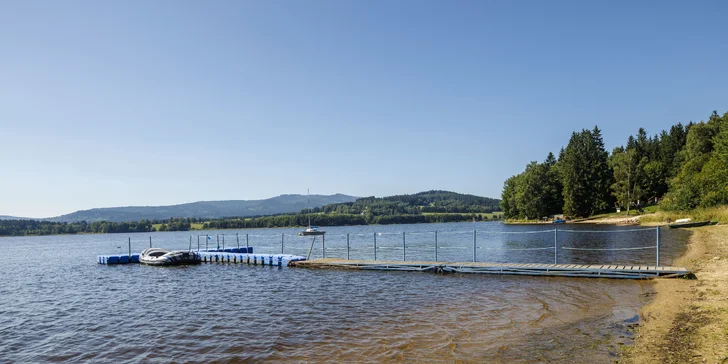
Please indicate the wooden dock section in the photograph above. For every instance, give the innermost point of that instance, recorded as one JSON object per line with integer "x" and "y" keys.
{"x": 535, "y": 269}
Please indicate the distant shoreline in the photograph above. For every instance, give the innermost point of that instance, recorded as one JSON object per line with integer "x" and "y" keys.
{"x": 239, "y": 229}
{"x": 597, "y": 220}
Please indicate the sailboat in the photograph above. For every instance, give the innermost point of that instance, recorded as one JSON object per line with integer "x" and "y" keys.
{"x": 311, "y": 230}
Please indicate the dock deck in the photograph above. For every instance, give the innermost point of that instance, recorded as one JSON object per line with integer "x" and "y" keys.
{"x": 534, "y": 269}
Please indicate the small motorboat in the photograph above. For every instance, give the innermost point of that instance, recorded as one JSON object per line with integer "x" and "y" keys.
{"x": 688, "y": 223}
{"x": 161, "y": 256}
{"x": 559, "y": 221}
{"x": 312, "y": 230}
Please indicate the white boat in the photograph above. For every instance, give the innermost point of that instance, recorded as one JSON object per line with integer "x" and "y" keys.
{"x": 310, "y": 230}
{"x": 161, "y": 256}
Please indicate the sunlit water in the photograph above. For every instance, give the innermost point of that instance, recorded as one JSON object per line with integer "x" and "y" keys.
{"x": 57, "y": 304}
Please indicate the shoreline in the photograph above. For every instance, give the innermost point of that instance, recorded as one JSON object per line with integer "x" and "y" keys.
{"x": 633, "y": 220}
{"x": 242, "y": 229}
{"x": 687, "y": 321}
{"x": 608, "y": 220}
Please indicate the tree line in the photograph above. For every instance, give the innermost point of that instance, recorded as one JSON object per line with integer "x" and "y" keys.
{"x": 683, "y": 168}
{"x": 336, "y": 219}
{"x": 34, "y": 227}
{"x": 176, "y": 224}
{"x": 428, "y": 201}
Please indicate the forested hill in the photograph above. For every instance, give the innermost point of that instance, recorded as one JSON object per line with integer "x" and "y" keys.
{"x": 683, "y": 167}
{"x": 423, "y": 207}
{"x": 205, "y": 209}
{"x": 429, "y": 201}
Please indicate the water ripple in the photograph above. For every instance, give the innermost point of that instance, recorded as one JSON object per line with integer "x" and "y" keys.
{"x": 58, "y": 306}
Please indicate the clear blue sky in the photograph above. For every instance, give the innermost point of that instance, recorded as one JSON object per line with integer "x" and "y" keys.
{"x": 116, "y": 103}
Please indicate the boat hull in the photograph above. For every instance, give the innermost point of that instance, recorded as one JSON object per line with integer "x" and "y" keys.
{"x": 309, "y": 233}
{"x": 172, "y": 258}
{"x": 689, "y": 224}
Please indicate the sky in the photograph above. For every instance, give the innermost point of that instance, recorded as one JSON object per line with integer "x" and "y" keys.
{"x": 119, "y": 103}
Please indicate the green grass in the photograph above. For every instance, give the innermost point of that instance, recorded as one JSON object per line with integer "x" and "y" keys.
{"x": 632, "y": 212}
{"x": 719, "y": 214}
{"x": 525, "y": 221}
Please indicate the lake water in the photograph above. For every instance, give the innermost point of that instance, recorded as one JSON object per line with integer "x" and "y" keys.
{"x": 57, "y": 304}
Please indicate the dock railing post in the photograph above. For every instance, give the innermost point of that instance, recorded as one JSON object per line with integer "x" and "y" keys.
{"x": 190, "y": 249}
{"x": 657, "y": 246}
{"x": 435, "y": 245}
{"x": 347, "y": 246}
{"x": 556, "y": 248}
{"x": 223, "y": 241}
{"x": 375, "y": 246}
{"x": 150, "y": 241}
{"x": 218, "y": 241}
{"x": 129, "y": 246}
{"x": 404, "y": 248}
{"x": 313, "y": 241}
{"x": 237, "y": 239}
{"x": 281, "y": 243}
{"x": 198, "y": 243}
{"x": 475, "y": 242}
{"x": 207, "y": 239}
{"x": 247, "y": 248}
{"x": 323, "y": 245}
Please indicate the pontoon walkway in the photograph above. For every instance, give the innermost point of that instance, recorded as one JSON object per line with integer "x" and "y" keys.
{"x": 535, "y": 269}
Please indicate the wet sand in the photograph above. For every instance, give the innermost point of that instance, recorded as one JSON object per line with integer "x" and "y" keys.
{"x": 688, "y": 319}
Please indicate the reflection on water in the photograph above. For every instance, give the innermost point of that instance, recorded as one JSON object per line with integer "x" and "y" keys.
{"x": 58, "y": 305}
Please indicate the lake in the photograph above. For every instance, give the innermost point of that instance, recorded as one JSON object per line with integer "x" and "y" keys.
{"x": 58, "y": 305}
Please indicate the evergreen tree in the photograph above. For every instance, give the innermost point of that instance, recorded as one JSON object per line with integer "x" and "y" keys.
{"x": 601, "y": 173}
{"x": 585, "y": 174}
{"x": 553, "y": 197}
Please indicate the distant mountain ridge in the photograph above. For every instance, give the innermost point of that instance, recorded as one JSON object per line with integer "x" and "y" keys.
{"x": 6, "y": 217}
{"x": 205, "y": 209}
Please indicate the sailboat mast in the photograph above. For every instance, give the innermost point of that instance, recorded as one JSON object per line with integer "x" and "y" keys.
{"x": 308, "y": 196}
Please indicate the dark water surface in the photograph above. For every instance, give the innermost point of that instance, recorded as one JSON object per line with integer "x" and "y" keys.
{"x": 57, "y": 304}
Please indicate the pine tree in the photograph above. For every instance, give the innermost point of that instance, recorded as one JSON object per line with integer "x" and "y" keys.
{"x": 602, "y": 179}
{"x": 585, "y": 174}
{"x": 553, "y": 197}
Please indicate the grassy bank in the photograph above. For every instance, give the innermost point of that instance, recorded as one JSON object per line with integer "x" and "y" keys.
{"x": 651, "y": 216}
{"x": 525, "y": 222}
{"x": 719, "y": 214}
{"x": 687, "y": 321}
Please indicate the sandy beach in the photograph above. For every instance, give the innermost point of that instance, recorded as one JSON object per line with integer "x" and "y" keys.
{"x": 688, "y": 319}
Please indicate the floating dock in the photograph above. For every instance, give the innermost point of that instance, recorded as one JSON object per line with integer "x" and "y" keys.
{"x": 280, "y": 260}
{"x": 118, "y": 259}
{"x": 535, "y": 269}
{"x": 227, "y": 255}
